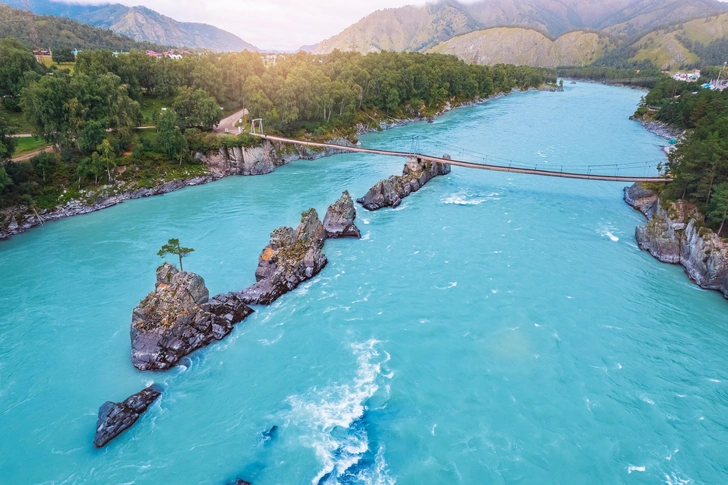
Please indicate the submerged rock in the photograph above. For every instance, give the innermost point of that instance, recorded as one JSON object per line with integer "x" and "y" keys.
{"x": 239, "y": 482}
{"x": 117, "y": 417}
{"x": 391, "y": 191}
{"x": 675, "y": 234}
{"x": 292, "y": 257}
{"x": 339, "y": 220}
{"x": 178, "y": 317}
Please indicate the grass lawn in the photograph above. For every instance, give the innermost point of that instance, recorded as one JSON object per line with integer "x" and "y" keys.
{"x": 151, "y": 105}
{"x": 47, "y": 61}
{"x": 29, "y": 144}
{"x": 15, "y": 120}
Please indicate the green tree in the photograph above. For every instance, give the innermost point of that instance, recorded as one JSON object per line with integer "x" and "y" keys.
{"x": 5, "y": 179}
{"x": 91, "y": 136}
{"x": 90, "y": 167}
{"x": 43, "y": 162}
{"x": 169, "y": 137}
{"x": 63, "y": 54}
{"x": 107, "y": 157}
{"x": 7, "y": 142}
{"x": 720, "y": 205}
{"x": 195, "y": 108}
{"x": 173, "y": 247}
{"x": 16, "y": 62}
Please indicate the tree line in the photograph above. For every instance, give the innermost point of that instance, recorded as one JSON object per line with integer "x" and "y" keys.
{"x": 90, "y": 114}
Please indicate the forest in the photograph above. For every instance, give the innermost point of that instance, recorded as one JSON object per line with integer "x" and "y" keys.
{"x": 699, "y": 163}
{"x": 90, "y": 115}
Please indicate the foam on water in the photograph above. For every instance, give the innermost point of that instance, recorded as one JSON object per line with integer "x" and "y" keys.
{"x": 334, "y": 424}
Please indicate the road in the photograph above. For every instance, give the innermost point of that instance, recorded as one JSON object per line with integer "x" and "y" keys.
{"x": 229, "y": 122}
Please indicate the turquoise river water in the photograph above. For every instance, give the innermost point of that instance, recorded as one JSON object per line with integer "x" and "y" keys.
{"x": 494, "y": 329}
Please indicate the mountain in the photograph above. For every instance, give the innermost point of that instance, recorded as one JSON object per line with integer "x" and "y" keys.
{"x": 55, "y": 32}
{"x": 414, "y": 28}
{"x": 141, "y": 24}
{"x": 647, "y": 15}
{"x": 514, "y": 45}
{"x": 700, "y": 41}
{"x": 403, "y": 29}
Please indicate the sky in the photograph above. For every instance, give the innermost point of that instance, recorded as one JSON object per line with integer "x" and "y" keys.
{"x": 270, "y": 24}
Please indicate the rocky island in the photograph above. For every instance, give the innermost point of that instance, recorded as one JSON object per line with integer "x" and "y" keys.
{"x": 675, "y": 234}
{"x": 292, "y": 257}
{"x": 117, "y": 417}
{"x": 179, "y": 317}
{"x": 390, "y": 192}
{"x": 339, "y": 219}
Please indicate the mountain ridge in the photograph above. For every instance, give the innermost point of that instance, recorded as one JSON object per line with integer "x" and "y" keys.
{"x": 141, "y": 24}
{"x": 413, "y": 28}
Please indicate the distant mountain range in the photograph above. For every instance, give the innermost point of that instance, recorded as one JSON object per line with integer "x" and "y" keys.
{"x": 547, "y": 33}
{"x": 415, "y": 28}
{"x": 141, "y": 24}
{"x": 60, "y": 32}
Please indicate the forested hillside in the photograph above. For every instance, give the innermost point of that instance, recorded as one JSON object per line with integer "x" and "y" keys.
{"x": 57, "y": 32}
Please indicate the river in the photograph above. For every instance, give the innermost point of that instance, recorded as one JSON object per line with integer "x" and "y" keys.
{"x": 495, "y": 328}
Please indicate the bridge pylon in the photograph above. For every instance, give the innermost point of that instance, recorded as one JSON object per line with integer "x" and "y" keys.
{"x": 256, "y": 126}
{"x": 415, "y": 147}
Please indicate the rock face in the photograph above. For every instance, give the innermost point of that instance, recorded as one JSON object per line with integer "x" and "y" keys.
{"x": 673, "y": 234}
{"x": 292, "y": 257}
{"x": 391, "y": 191}
{"x": 117, "y": 417}
{"x": 262, "y": 159}
{"x": 178, "y": 317}
{"x": 339, "y": 220}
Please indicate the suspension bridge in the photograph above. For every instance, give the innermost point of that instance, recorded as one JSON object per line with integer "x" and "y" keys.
{"x": 510, "y": 168}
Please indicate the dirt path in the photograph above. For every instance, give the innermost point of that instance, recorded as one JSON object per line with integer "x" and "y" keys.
{"x": 30, "y": 155}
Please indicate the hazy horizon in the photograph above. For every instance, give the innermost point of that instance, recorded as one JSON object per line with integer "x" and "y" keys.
{"x": 254, "y": 22}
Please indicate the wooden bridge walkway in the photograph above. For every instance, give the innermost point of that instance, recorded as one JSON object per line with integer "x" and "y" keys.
{"x": 480, "y": 166}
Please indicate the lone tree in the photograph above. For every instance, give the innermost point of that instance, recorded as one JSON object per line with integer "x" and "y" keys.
{"x": 173, "y": 247}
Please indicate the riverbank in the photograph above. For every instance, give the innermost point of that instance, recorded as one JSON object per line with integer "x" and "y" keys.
{"x": 218, "y": 164}
{"x": 675, "y": 234}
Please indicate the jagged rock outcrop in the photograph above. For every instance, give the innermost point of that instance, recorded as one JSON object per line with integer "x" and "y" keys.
{"x": 117, "y": 417}
{"x": 391, "y": 191}
{"x": 292, "y": 257}
{"x": 674, "y": 234}
{"x": 339, "y": 219}
{"x": 178, "y": 317}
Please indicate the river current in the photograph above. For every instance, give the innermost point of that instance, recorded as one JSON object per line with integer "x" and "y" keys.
{"x": 494, "y": 329}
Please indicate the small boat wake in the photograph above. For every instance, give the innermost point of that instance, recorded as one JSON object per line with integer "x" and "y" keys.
{"x": 333, "y": 422}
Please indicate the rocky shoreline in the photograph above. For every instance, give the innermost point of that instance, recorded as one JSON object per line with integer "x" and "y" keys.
{"x": 674, "y": 234}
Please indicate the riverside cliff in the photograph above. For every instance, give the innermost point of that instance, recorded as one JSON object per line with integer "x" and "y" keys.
{"x": 674, "y": 234}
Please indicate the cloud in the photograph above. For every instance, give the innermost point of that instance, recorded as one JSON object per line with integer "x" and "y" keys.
{"x": 271, "y": 24}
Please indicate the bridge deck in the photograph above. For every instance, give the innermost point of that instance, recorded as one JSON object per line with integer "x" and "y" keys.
{"x": 481, "y": 166}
